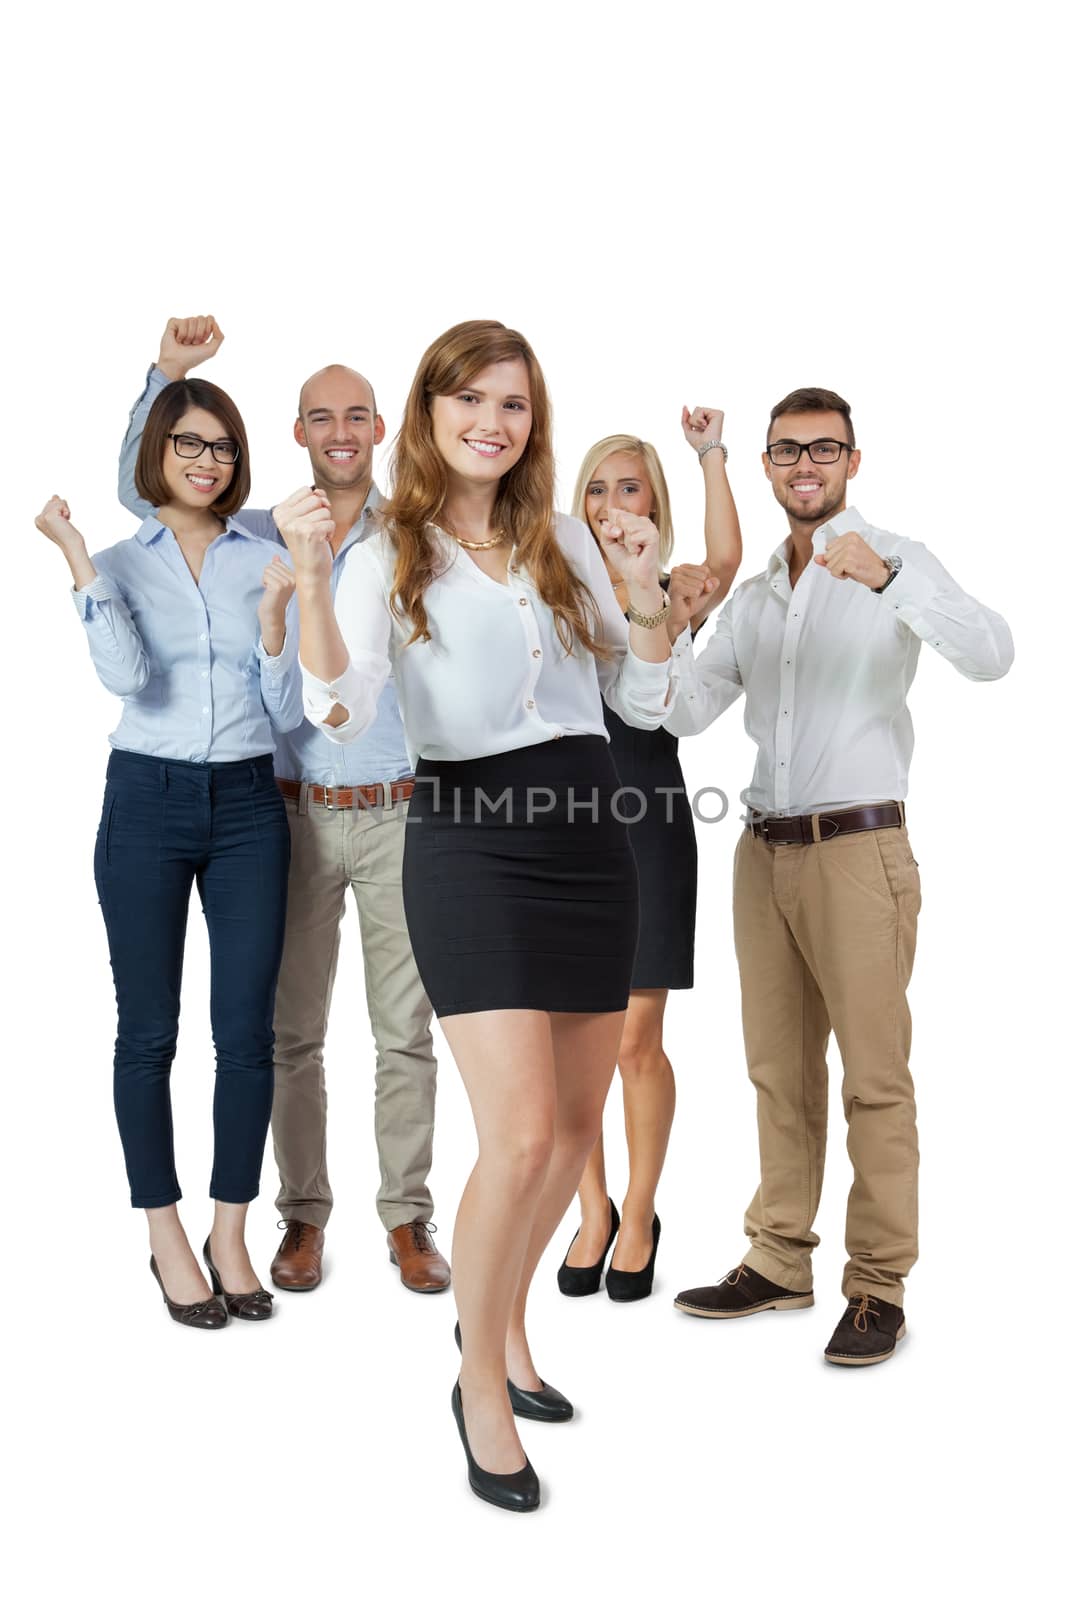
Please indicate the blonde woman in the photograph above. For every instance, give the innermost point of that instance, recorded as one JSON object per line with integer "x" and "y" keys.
{"x": 497, "y": 619}
{"x": 624, "y": 474}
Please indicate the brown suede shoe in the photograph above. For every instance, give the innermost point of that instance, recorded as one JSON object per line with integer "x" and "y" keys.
{"x": 422, "y": 1266}
{"x": 298, "y": 1263}
{"x": 740, "y": 1294}
{"x": 869, "y": 1332}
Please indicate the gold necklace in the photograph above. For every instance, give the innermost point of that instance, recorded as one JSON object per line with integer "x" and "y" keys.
{"x": 476, "y": 544}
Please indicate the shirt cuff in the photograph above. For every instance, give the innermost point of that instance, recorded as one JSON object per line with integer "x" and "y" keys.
{"x": 277, "y": 666}
{"x": 320, "y": 698}
{"x": 99, "y": 589}
{"x": 910, "y": 587}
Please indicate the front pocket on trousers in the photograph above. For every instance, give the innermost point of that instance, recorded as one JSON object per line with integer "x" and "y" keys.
{"x": 105, "y": 827}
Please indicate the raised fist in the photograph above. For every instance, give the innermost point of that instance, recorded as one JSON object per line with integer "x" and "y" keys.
{"x": 701, "y": 424}
{"x": 186, "y": 342}
{"x": 54, "y": 522}
{"x": 306, "y": 524}
{"x": 691, "y": 589}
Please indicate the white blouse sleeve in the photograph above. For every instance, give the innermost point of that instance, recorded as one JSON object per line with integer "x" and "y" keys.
{"x": 640, "y": 692}
{"x": 361, "y": 604}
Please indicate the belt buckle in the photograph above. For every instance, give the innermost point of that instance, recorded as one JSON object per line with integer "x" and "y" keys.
{"x": 759, "y": 828}
{"x": 326, "y": 798}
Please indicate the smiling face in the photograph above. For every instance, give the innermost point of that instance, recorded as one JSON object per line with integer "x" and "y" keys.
{"x": 619, "y": 483}
{"x": 196, "y": 483}
{"x": 482, "y": 430}
{"x": 811, "y": 491}
{"x": 338, "y": 426}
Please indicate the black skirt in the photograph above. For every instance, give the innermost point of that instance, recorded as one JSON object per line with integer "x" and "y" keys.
{"x": 664, "y": 844}
{"x": 519, "y": 881}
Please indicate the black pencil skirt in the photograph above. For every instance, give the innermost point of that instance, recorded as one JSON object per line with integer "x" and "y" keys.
{"x": 520, "y": 886}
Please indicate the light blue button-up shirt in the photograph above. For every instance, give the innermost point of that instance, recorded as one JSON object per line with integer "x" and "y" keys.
{"x": 379, "y": 755}
{"x": 187, "y": 659}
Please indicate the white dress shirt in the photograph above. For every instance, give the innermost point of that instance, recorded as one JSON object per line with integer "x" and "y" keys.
{"x": 494, "y": 675}
{"x": 825, "y": 669}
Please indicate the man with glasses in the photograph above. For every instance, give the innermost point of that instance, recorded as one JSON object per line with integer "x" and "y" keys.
{"x": 824, "y": 645}
{"x": 346, "y": 806}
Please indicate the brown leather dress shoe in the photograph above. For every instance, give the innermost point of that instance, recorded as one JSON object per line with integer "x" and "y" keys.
{"x": 422, "y": 1266}
{"x": 298, "y": 1263}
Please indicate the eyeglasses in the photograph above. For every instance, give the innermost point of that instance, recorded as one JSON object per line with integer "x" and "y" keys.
{"x": 190, "y": 445}
{"x": 786, "y": 452}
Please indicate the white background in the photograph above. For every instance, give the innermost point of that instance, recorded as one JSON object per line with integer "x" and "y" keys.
{"x": 676, "y": 203}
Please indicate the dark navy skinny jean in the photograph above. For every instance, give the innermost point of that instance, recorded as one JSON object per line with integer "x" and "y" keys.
{"x": 165, "y": 825}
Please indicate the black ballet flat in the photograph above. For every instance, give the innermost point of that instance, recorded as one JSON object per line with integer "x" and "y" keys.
{"x": 576, "y": 1281}
{"x": 634, "y": 1285}
{"x": 511, "y": 1491}
{"x": 536, "y": 1405}
{"x": 209, "y": 1314}
{"x": 255, "y": 1305}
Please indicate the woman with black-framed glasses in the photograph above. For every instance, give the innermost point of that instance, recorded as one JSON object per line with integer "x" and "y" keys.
{"x": 186, "y": 626}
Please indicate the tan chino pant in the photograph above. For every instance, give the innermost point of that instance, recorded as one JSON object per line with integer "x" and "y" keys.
{"x": 333, "y": 851}
{"x": 825, "y": 938}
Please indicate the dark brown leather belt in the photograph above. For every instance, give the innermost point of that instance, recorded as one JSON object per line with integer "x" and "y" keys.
{"x": 361, "y": 798}
{"x": 820, "y": 825}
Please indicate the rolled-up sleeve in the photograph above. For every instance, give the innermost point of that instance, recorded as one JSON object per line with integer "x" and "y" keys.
{"x": 114, "y": 644}
{"x": 361, "y": 605}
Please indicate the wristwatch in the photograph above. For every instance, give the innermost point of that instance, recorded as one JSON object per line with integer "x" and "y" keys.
{"x": 892, "y": 566}
{"x": 712, "y": 444}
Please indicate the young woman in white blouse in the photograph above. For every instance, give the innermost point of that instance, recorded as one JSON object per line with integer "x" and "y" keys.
{"x": 497, "y": 618}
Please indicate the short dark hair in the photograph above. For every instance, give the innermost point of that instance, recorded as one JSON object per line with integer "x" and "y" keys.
{"x": 815, "y": 400}
{"x": 170, "y": 405}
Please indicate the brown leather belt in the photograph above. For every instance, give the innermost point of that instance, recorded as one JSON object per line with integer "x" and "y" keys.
{"x": 820, "y": 825}
{"x": 361, "y": 798}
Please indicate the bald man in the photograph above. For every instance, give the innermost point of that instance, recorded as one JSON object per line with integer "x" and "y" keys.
{"x": 346, "y": 805}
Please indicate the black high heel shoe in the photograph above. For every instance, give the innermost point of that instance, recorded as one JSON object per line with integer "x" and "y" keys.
{"x": 537, "y": 1405}
{"x": 256, "y": 1305}
{"x": 511, "y": 1491}
{"x": 634, "y": 1285}
{"x": 200, "y": 1314}
{"x": 575, "y": 1281}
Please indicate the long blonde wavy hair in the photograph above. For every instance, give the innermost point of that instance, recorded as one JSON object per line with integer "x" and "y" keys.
{"x": 524, "y": 502}
{"x": 629, "y": 444}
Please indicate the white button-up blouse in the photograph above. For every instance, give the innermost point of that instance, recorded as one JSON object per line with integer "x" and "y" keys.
{"x": 494, "y": 675}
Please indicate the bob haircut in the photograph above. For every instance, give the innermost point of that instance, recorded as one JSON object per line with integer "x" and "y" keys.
{"x": 523, "y": 507}
{"x": 167, "y": 411}
{"x": 629, "y": 444}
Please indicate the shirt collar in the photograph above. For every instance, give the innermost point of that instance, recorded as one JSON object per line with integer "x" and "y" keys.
{"x": 848, "y": 521}
{"x": 364, "y": 523}
{"x": 151, "y": 528}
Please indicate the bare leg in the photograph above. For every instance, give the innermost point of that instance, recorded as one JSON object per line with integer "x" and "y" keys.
{"x": 585, "y": 1048}
{"x": 505, "y": 1059}
{"x": 228, "y": 1248}
{"x": 648, "y": 1102}
{"x": 178, "y": 1266}
{"x": 595, "y": 1222}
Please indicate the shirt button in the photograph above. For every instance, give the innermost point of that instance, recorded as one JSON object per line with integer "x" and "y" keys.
{"x": 203, "y": 674}
{"x": 529, "y": 705}
{"x": 334, "y": 695}
{"x": 203, "y": 636}
{"x": 522, "y": 602}
{"x": 537, "y": 654}
{"x": 203, "y": 711}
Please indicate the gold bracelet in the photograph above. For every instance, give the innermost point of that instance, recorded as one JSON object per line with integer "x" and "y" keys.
{"x": 645, "y": 619}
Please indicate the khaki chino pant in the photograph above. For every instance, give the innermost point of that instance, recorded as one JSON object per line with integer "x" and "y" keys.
{"x": 825, "y": 938}
{"x": 333, "y": 851}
